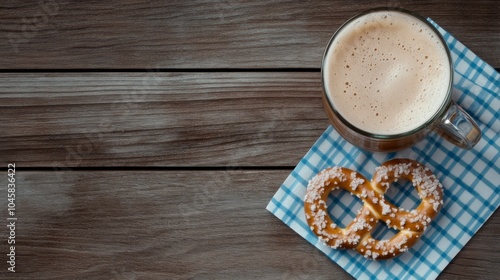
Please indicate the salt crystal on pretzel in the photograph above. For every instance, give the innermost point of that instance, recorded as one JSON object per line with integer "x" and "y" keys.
{"x": 357, "y": 235}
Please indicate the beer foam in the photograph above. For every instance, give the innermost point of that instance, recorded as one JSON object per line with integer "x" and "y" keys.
{"x": 387, "y": 72}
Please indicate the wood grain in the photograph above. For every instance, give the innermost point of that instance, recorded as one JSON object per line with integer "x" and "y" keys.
{"x": 159, "y": 119}
{"x": 178, "y": 225}
{"x": 201, "y": 34}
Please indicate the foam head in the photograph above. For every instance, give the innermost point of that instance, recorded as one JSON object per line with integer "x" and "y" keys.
{"x": 387, "y": 73}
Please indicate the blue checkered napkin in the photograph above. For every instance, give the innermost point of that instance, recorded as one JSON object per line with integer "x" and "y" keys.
{"x": 470, "y": 179}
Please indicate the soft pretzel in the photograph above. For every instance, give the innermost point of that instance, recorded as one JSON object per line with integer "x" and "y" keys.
{"x": 357, "y": 235}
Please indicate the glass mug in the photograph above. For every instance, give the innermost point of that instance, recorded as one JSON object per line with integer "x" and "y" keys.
{"x": 387, "y": 78}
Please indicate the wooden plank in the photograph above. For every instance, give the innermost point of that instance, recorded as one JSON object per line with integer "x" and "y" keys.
{"x": 65, "y": 34}
{"x": 159, "y": 119}
{"x": 177, "y": 225}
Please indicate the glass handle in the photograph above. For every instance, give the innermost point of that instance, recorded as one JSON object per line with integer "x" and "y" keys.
{"x": 458, "y": 127}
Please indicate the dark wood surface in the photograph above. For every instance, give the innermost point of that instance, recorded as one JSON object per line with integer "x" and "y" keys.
{"x": 159, "y": 119}
{"x": 205, "y": 34}
{"x": 149, "y": 136}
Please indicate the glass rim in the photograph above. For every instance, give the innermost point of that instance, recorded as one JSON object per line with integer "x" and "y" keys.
{"x": 426, "y": 124}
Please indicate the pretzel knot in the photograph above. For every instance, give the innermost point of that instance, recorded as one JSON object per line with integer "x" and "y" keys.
{"x": 357, "y": 235}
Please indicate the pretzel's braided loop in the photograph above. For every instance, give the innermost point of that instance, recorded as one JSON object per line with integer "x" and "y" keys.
{"x": 357, "y": 235}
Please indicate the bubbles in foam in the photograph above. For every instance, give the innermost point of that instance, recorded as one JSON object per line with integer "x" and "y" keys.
{"x": 385, "y": 74}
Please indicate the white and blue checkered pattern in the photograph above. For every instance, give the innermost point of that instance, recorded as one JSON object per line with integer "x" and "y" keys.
{"x": 470, "y": 179}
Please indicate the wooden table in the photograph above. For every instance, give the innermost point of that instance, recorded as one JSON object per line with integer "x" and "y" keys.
{"x": 149, "y": 137}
